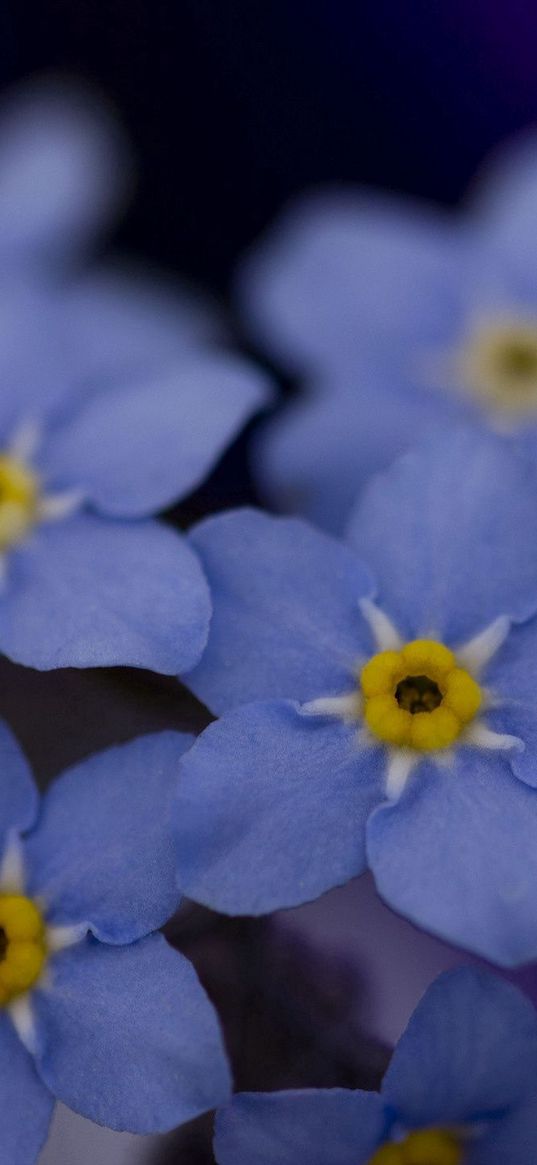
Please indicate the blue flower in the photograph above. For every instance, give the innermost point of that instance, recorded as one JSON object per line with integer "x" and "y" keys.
{"x": 95, "y": 1010}
{"x": 399, "y": 733}
{"x": 399, "y": 319}
{"x": 460, "y": 1090}
{"x": 112, "y": 407}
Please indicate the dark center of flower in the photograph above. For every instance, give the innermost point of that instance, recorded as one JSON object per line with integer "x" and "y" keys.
{"x": 519, "y": 360}
{"x": 418, "y": 694}
{"x": 3, "y": 944}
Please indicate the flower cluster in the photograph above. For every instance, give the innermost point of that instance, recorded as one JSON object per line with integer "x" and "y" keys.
{"x": 400, "y": 319}
{"x": 373, "y": 684}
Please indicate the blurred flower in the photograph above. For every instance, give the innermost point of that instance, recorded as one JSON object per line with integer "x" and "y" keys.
{"x": 112, "y": 407}
{"x": 460, "y": 1088}
{"x": 400, "y": 319}
{"x": 113, "y": 1022}
{"x": 346, "y": 741}
{"x": 83, "y": 583}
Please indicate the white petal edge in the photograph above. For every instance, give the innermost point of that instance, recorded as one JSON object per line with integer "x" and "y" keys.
{"x": 477, "y": 653}
{"x": 482, "y": 737}
{"x": 401, "y": 763}
{"x": 54, "y": 507}
{"x": 347, "y": 708}
{"x": 58, "y": 938}
{"x": 385, "y": 634}
{"x": 12, "y": 880}
{"x": 26, "y": 440}
{"x": 21, "y": 1014}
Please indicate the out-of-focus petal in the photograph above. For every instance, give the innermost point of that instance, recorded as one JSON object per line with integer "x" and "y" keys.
{"x": 63, "y": 171}
{"x": 503, "y": 210}
{"x": 136, "y": 449}
{"x": 315, "y": 456}
{"x": 344, "y": 267}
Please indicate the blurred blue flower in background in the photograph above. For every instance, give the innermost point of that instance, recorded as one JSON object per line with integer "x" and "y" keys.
{"x": 114, "y": 405}
{"x": 67, "y": 327}
{"x": 111, "y": 1020}
{"x": 344, "y": 741}
{"x": 399, "y": 319}
{"x": 460, "y": 1088}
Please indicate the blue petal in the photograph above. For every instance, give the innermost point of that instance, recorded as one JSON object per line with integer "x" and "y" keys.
{"x": 62, "y": 171}
{"x": 316, "y": 456}
{"x": 512, "y": 679}
{"x": 128, "y": 1038}
{"x": 61, "y": 343}
{"x": 102, "y": 852}
{"x": 285, "y": 602}
{"x": 137, "y": 448}
{"x": 470, "y": 1049}
{"x": 518, "y": 720}
{"x": 346, "y": 267}
{"x": 458, "y": 856}
{"x": 87, "y": 592}
{"x": 309, "y": 1127}
{"x": 25, "y": 1106}
{"x": 450, "y": 532}
{"x": 19, "y": 798}
{"x": 510, "y": 1138}
{"x": 120, "y": 325}
{"x": 271, "y": 807}
{"x": 32, "y": 355}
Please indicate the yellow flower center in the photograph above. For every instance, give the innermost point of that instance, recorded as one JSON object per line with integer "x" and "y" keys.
{"x": 22, "y": 945}
{"x": 424, "y": 1147}
{"x": 418, "y": 697}
{"x": 19, "y": 496}
{"x": 499, "y": 364}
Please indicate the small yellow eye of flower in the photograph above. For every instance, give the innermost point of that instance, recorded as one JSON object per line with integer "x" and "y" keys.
{"x": 19, "y": 496}
{"x": 499, "y": 364}
{"x": 22, "y": 945}
{"x": 418, "y": 697}
{"x": 424, "y": 1147}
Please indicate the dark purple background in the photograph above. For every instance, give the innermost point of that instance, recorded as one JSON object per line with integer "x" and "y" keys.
{"x": 235, "y": 104}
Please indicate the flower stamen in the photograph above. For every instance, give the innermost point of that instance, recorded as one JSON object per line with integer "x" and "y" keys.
{"x": 423, "y": 1147}
{"x": 418, "y": 698}
{"x": 19, "y": 500}
{"x": 498, "y": 363}
{"x": 23, "y": 950}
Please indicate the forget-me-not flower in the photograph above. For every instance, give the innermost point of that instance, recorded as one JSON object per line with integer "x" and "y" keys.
{"x": 378, "y": 715}
{"x": 399, "y": 319}
{"x": 95, "y": 1010}
{"x": 112, "y": 407}
{"x": 461, "y": 1089}
{"x": 87, "y": 578}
